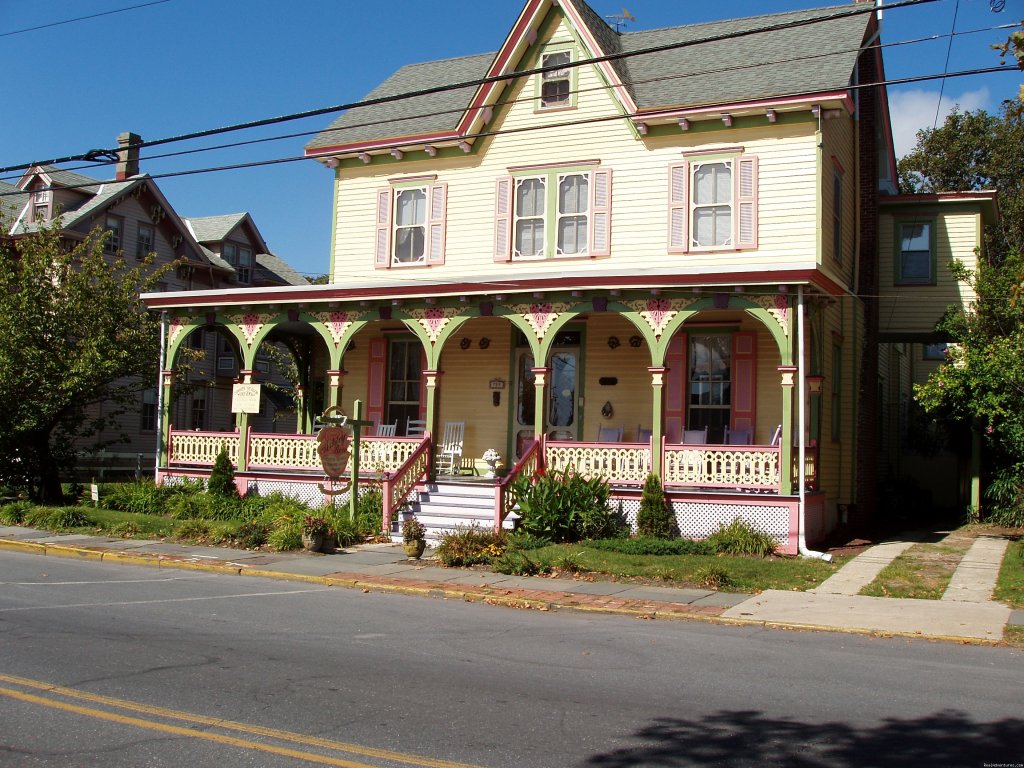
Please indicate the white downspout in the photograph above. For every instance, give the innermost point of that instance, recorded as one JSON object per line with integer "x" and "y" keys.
{"x": 801, "y": 419}
{"x": 160, "y": 393}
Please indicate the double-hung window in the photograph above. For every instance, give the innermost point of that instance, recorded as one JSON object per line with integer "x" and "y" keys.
{"x": 713, "y": 202}
{"x": 553, "y": 212}
{"x": 915, "y": 257}
{"x": 240, "y": 258}
{"x": 411, "y": 223}
{"x": 114, "y": 225}
{"x": 556, "y": 91}
{"x": 144, "y": 240}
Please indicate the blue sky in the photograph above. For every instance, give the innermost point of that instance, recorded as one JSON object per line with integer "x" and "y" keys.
{"x": 186, "y": 65}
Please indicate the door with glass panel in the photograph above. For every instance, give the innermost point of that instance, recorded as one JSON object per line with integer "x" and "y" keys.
{"x": 710, "y": 384}
{"x": 561, "y": 417}
{"x": 403, "y": 385}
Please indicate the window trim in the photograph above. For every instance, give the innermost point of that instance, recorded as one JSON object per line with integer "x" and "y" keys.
{"x": 435, "y": 223}
{"x": 571, "y": 77}
{"x": 898, "y": 225}
{"x": 744, "y": 203}
{"x": 599, "y": 199}
{"x": 141, "y": 253}
{"x": 115, "y": 240}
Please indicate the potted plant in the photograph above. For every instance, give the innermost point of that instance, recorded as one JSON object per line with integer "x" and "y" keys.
{"x": 491, "y": 457}
{"x": 414, "y": 537}
{"x": 314, "y": 532}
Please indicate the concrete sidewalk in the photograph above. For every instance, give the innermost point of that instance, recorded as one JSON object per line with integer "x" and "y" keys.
{"x": 383, "y": 567}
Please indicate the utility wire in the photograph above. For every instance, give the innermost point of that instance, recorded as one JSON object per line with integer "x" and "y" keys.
{"x": 81, "y": 18}
{"x": 524, "y": 99}
{"x": 949, "y": 49}
{"x": 854, "y": 11}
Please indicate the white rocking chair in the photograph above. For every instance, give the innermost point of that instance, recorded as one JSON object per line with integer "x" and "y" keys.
{"x": 449, "y": 452}
{"x": 387, "y": 430}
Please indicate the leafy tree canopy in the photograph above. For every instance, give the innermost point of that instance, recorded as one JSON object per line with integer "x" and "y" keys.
{"x": 72, "y": 330}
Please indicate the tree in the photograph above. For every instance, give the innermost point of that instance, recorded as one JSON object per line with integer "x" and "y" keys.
{"x": 73, "y": 334}
{"x": 983, "y": 384}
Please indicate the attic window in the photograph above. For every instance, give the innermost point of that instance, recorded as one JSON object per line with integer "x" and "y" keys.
{"x": 240, "y": 258}
{"x": 556, "y": 84}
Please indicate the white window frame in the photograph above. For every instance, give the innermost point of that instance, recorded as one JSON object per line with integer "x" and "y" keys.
{"x": 555, "y": 78}
{"x": 712, "y": 205}
{"x": 519, "y": 219}
{"x": 596, "y": 198}
{"x": 434, "y": 222}
{"x": 115, "y": 226}
{"x": 421, "y": 223}
{"x": 743, "y": 202}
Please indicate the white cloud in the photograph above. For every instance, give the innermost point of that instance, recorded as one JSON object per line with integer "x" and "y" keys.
{"x": 912, "y": 110}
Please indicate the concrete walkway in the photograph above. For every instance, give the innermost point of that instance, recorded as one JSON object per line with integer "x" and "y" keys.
{"x": 383, "y": 567}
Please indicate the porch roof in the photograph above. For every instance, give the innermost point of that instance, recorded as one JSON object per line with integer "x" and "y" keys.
{"x": 588, "y": 279}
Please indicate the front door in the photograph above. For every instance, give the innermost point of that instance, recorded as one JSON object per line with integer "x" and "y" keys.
{"x": 561, "y": 414}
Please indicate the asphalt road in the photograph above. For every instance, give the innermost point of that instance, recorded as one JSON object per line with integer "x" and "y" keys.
{"x": 104, "y": 665}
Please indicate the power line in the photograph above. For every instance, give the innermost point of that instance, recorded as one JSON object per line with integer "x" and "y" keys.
{"x": 422, "y": 115}
{"x": 475, "y": 83}
{"x": 81, "y": 18}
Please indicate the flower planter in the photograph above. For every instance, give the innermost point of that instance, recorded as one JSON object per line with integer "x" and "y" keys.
{"x": 313, "y": 542}
{"x": 414, "y": 549}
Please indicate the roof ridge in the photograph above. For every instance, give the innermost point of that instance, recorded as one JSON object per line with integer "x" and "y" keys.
{"x": 851, "y": 8}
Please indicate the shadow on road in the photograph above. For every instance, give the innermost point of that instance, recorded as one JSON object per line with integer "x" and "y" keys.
{"x": 748, "y": 738}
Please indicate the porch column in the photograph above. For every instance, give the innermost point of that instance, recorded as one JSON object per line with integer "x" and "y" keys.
{"x": 301, "y": 417}
{"x": 540, "y": 377}
{"x": 335, "y": 386}
{"x": 433, "y": 383}
{"x": 786, "y": 441}
{"x": 242, "y": 425}
{"x": 657, "y": 416}
{"x": 167, "y": 384}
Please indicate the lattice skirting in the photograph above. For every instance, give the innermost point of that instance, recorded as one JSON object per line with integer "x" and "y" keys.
{"x": 699, "y": 518}
{"x": 307, "y": 492}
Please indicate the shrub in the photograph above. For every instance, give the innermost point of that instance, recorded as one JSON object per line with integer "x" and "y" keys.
{"x": 143, "y": 497}
{"x": 222, "y": 476}
{"x": 559, "y": 505}
{"x": 570, "y": 562}
{"x": 193, "y": 530}
{"x": 515, "y": 564}
{"x": 712, "y": 577}
{"x": 126, "y": 529}
{"x": 346, "y": 532}
{"x": 655, "y": 518}
{"x": 1006, "y": 492}
{"x": 523, "y": 541}
{"x": 287, "y": 535}
{"x": 252, "y": 535}
{"x": 56, "y": 518}
{"x": 14, "y": 513}
{"x": 205, "y": 506}
{"x": 645, "y": 545}
{"x": 470, "y": 545}
{"x": 741, "y": 538}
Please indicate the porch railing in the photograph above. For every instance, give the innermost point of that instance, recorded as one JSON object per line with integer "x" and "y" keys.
{"x": 746, "y": 467}
{"x": 505, "y": 495}
{"x": 188, "y": 447}
{"x": 283, "y": 451}
{"x": 398, "y": 485}
{"x": 619, "y": 463}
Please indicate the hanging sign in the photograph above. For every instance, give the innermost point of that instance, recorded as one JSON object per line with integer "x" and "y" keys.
{"x": 245, "y": 398}
{"x": 333, "y": 443}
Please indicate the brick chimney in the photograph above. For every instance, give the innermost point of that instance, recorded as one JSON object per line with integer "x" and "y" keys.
{"x": 127, "y": 155}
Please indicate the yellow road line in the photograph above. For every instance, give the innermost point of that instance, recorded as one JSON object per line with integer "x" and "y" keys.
{"x": 255, "y": 730}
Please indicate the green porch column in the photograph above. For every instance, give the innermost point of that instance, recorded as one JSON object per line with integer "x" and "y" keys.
{"x": 335, "y": 386}
{"x": 242, "y": 423}
{"x": 788, "y": 373}
{"x": 540, "y": 377}
{"x": 657, "y": 416}
{"x": 302, "y": 418}
{"x": 433, "y": 384}
{"x": 167, "y": 383}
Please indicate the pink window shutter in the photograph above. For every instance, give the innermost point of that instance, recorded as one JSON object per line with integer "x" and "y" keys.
{"x": 601, "y": 212}
{"x": 375, "y": 380}
{"x": 382, "y": 249}
{"x": 678, "y": 215}
{"x": 438, "y": 223}
{"x": 503, "y": 219}
{"x": 746, "y": 202}
{"x": 744, "y": 380}
{"x": 675, "y": 389}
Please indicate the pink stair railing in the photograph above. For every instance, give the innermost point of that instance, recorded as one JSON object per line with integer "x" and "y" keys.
{"x": 505, "y": 495}
{"x": 397, "y": 486}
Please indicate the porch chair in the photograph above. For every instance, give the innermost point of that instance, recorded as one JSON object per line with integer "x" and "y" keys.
{"x": 609, "y": 434}
{"x": 739, "y": 436}
{"x": 449, "y": 453}
{"x": 695, "y": 436}
{"x": 777, "y": 437}
{"x": 387, "y": 430}
{"x": 415, "y": 427}
{"x": 643, "y": 435}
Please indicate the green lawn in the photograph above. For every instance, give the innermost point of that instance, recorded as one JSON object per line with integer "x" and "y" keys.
{"x": 923, "y": 571}
{"x": 1010, "y": 584}
{"x": 728, "y": 573}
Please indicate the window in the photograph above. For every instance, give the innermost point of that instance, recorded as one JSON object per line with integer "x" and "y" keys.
{"x": 197, "y": 411}
{"x": 147, "y": 422}
{"x": 710, "y": 384}
{"x": 411, "y": 222}
{"x": 115, "y": 227}
{"x": 915, "y": 260}
{"x": 405, "y": 366}
{"x": 239, "y": 257}
{"x": 713, "y": 203}
{"x": 41, "y": 205}
{"x": 196, "y": 340}
{"x": 556, "y": 84}
{"x": 553, "y": 212}
{"x": 144, "y": 241}
{"x": 837, "y": 216}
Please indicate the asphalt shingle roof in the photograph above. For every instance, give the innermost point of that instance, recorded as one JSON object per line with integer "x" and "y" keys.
{"x": 212, "y": 229}
{"x": 272, "y": 268}
{"x": 760, "y": 65}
